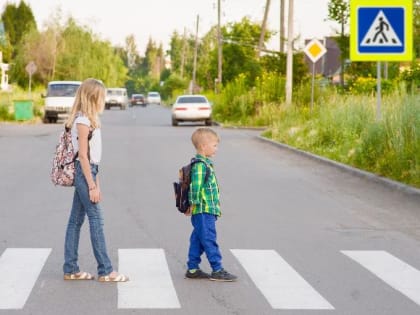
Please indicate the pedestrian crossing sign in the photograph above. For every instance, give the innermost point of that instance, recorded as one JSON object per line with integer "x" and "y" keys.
{"x": 381, "y": 30}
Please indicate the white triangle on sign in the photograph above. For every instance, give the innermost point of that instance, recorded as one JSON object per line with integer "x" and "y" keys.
{"x": 381, "y": 33}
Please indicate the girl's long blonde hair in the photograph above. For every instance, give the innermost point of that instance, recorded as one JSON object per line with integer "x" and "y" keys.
{"x": 90, "y": 101}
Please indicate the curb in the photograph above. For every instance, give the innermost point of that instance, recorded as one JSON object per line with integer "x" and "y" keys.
{"x": 364, "y": 174}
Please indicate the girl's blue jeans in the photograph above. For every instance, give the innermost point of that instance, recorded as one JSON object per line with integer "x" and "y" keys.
{"x": 204, "y": 239}
{"x": 81, "y": 207}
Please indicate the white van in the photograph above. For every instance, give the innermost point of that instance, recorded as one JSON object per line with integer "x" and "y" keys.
{"x": 59, "y": 99}
{"x": 116, "y": 97}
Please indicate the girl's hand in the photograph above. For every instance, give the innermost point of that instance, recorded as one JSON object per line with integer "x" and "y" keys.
{"x": 95, "y": 195}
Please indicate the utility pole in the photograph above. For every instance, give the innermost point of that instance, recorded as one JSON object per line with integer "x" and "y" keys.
{"x": 219, "y": 48}
{"x": 195, "y": 56}
{"x": 282, "y": 34}
{"x": 289, "y": 67}
{"x": 263, "y": 27}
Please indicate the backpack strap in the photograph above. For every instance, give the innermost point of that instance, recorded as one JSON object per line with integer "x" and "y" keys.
{"x": 195, "y": 160}
{"x": 90, "y": 134}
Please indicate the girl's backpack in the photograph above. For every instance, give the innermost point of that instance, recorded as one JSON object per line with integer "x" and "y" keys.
{"x": 182, "y": 187}
{"x": 63, "y": 170}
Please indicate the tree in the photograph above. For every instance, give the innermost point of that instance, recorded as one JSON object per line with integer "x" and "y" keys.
{"x": 339, "y": 11}
{"x": 18, "y": 21}
{"x": 68, "y": 52}
{"x": 175, "y": 52}
{"x": 5, "y": 46}
{"x": 277, "y": 64}
{"x": 240, "y": 42}
{"x": 154, "y": 61}
{"x": 132, "y": 56}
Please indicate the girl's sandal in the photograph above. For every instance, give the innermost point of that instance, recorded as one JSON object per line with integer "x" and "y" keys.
{"x": 117, "y": 278}
{"x": 78, "y": 276}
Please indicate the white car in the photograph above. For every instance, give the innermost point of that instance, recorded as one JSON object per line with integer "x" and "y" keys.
{"x": 191, "y": 108}
{"x": 153, "y": 98}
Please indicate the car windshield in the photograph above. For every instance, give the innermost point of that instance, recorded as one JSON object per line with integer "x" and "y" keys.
{"x": 192, "y": 99}
{"x": 153, "y": 94}
{"x": 114, "y": 92}
{"x": 60, "y": 90}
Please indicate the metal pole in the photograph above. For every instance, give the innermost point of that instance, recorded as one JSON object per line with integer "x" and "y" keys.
{"x": 378, "y": 92}
{"x": 263, "y": 28}
{"x": 289, "y": 67}
{"x": 313, "y": 86}
{"x": 282, "y": 2}
{"x": 30, "y": 83}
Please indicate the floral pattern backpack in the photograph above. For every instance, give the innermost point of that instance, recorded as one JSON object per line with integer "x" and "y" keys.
{"x": 63, "y": 170}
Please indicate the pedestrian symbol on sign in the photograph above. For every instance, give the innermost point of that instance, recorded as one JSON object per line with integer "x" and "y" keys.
{"x": 381, "y": 33}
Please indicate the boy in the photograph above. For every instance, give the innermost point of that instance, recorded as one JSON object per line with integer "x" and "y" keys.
{"x": 204, "y": 210}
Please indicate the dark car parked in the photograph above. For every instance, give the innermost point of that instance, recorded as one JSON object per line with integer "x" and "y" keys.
{"x": 138, "y": 99}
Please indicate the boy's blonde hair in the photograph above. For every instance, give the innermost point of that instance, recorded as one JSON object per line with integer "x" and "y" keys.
{"x": 202, "y": 135}
{"x": 90, "y": 101}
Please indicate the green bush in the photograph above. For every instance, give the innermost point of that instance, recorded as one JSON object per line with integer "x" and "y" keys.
{"x": 368, "y": 85}
{"x": 4, "y": 113}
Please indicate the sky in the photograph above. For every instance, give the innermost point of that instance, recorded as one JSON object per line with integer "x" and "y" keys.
{"x": 158, "y": 19}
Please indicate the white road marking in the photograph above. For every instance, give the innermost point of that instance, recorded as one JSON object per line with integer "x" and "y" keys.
{"x": 281, "y": 285}
{"x": 150, "y": 284}
{"x": 395, "y": 272}
{"x": 19, "y": 270}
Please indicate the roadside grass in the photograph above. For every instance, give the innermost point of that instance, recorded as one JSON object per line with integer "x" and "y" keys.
{"x": 344, "y": 129}
{"x": 341, "y": 127}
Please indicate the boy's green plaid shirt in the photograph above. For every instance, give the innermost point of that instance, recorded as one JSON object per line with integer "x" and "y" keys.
{"x": 204, "y": 196}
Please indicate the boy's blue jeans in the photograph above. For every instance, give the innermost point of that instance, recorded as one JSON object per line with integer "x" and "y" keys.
{"x": 203, "y": 239}
{"x": 82, "y": 206}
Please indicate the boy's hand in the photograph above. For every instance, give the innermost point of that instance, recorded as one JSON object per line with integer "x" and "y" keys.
{"x": 189, "y": 211}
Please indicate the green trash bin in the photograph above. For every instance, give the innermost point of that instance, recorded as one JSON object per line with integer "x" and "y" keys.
{"x": 23, "y": 109}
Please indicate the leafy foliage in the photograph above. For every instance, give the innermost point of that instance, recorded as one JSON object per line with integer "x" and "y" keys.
{"x": 18, "y": 21}
{"x": 70, "y": 52}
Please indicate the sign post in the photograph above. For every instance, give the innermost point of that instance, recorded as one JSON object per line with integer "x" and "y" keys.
{"x": 30, "y": 69}
{"x": 314, "y": 50}
{"x": 381, "y": 30}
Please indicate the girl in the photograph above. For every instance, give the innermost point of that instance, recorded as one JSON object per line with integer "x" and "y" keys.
{"x": 86, "y": 137}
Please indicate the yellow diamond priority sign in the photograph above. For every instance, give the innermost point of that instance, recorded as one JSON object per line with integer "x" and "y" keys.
{"x": 314, "y": 50}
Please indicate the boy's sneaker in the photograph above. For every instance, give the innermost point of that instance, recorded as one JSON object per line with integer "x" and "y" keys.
{"x": 222, "y": 275}
{"x": 197, "y": 274}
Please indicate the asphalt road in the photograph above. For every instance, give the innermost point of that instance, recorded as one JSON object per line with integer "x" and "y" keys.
{"x": 303, "y": 237}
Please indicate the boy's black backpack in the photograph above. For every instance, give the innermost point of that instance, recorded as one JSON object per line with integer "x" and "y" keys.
{"x": 182, "y": 187}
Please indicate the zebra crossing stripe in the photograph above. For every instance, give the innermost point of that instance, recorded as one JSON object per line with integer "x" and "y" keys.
{"x": 19, "y": 270}
{"x": 150, "y": 284}
{"x": 281, "y": 285}
{"x": 393, "y": 271}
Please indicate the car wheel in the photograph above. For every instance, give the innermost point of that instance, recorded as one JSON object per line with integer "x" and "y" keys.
{"x": 174, "y": 122}
{"x": 208, "y": 122}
